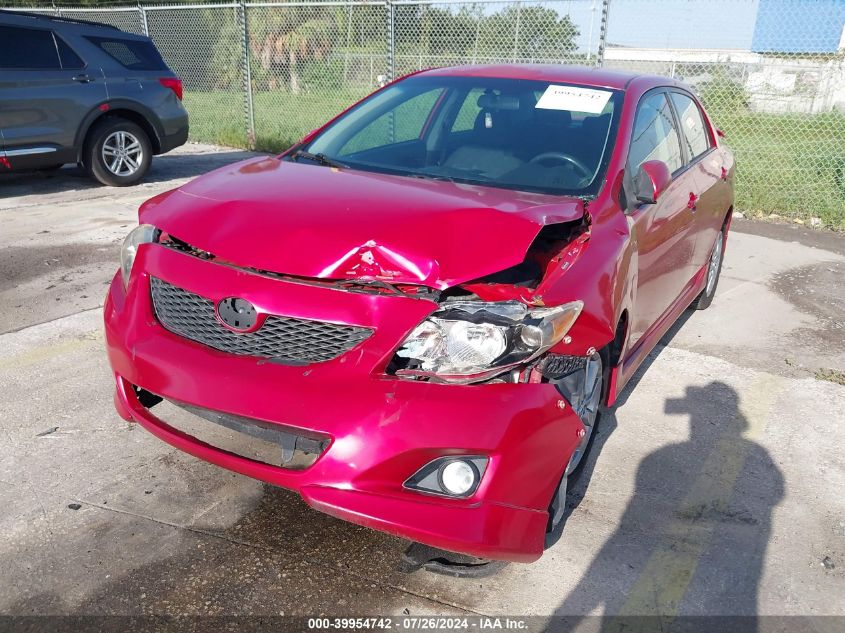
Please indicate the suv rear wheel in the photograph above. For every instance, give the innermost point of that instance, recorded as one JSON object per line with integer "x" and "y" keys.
{"x": 118, "y": 152}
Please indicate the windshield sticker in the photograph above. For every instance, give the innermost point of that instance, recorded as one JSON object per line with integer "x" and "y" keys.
{"x": 574, "y": 99}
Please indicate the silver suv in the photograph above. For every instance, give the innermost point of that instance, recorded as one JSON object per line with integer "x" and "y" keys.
{"x": 81, "y": 92}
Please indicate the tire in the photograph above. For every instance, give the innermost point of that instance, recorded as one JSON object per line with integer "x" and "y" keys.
{"x": 118, "y": 152}
{"x": 714, "y": 270}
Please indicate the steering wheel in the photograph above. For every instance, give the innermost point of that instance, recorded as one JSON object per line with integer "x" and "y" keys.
{"x": 563, "y": 158}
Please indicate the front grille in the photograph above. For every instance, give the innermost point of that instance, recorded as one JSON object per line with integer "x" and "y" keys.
{"x": 287, "y": 340}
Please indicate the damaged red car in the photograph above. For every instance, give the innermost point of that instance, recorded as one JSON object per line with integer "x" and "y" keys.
{"x": 414, "y": 316}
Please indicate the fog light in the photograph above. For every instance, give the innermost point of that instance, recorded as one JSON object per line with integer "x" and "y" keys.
{"x": 450, "y": 476}
{"x": 457, "y": 477}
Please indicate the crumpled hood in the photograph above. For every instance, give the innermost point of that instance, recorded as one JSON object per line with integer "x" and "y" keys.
{"x": 312, "y": 221}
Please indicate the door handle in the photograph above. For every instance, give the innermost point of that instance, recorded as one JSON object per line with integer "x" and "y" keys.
{"x": 692, "y": 200}
{"x": 83, "y": 78}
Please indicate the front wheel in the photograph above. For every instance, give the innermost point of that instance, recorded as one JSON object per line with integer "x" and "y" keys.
{"x": 714, "y": 269}
{"x": 118, "y": 152}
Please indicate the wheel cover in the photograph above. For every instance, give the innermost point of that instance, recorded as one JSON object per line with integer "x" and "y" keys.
{"x": 715, "y": 262}
{"x": 122, "y": 153}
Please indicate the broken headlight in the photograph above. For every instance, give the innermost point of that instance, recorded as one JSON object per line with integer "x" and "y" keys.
{"x": 141, "y": 234}
{"x": 465, "y": 341}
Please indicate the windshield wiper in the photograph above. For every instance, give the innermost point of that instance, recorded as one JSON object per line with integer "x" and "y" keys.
{"x": 424, "y": 176}
{"x": 319, "y": 158}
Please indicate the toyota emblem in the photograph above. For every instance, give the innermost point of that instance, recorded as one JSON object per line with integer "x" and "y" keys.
{"x": 237, "y": 314}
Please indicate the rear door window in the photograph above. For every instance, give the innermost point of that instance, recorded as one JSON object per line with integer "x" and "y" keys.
{"x": 131, "y": 54}
{"x": 695, "y": 133}
{"x": 655, "y": 136}
{"x": 28, "y": 49}
{"x": 70, "y": 60}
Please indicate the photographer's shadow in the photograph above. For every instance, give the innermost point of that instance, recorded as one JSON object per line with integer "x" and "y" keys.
{"x": 693, "y": 538}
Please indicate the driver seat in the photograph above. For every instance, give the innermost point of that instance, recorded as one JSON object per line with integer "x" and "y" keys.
{"x": 490, "y": 151}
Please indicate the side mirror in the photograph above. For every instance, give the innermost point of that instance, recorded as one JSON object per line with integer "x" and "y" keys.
{"x": 652, "y": 180}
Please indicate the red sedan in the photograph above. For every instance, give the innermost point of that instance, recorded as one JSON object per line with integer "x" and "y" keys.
{"x": 414, "y": 315}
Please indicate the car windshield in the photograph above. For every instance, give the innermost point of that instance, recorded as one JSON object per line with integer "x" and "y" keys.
{"x": 511, "y": 133}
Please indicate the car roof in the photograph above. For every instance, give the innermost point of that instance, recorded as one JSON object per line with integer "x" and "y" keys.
{"x": 587, "y": 76}
{"x": 61, "y": 23}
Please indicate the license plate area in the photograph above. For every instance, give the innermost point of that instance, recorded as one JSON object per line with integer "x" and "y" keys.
{"x": 256, "y": 440}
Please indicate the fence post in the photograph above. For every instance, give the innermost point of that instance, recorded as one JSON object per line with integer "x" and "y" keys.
{"x": 605, "y": 6}
{"x": 144, "y": 25}
{"x": 249, "y": 114}
{"x": 391, "y": 41}
{"x": 348, "y": 42}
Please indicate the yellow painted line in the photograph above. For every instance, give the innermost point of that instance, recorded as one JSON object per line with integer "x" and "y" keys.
{"x": 46, "y": 352}
{"x": 661, "y": 586}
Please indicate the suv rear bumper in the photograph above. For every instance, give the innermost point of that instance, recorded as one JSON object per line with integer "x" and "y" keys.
{"x": 172, "y": 141}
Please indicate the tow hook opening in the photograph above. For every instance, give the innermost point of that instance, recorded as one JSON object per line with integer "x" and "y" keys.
{"x": 147, "y": 398}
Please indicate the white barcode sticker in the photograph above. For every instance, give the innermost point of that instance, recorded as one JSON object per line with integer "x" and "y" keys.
{"x": 574, "y": 99}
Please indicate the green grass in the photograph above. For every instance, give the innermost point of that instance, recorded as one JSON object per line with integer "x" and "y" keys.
{"x": 789, "y": 165}
{"x": 281, "y": 118}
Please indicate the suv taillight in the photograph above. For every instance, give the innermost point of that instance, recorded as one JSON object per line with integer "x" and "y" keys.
{"x": 174, "y": 83}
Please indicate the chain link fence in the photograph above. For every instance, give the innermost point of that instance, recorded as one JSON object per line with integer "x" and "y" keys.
{"x": 770, "y": 72}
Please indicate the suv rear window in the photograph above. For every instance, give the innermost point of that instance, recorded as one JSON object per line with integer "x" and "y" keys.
{"x": 131, "y": 54}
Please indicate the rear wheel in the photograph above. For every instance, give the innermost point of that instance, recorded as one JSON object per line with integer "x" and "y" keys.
{"x": 714, "y": 269}
{"x": 583, "y": 390}
{"x": 118, "y": 152}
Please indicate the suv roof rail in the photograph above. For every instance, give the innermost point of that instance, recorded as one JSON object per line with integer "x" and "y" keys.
{"x": 57, "y": 18}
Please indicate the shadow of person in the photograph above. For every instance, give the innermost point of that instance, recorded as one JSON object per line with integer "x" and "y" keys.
{"x": 579, "y": 483}
{"x": 693, "y": 537}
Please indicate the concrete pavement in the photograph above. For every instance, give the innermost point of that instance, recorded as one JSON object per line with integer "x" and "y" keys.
{"x": 715, "y": 487}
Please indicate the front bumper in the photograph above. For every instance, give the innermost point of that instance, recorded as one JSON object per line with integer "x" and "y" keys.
{"x": 381, "y": 429}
